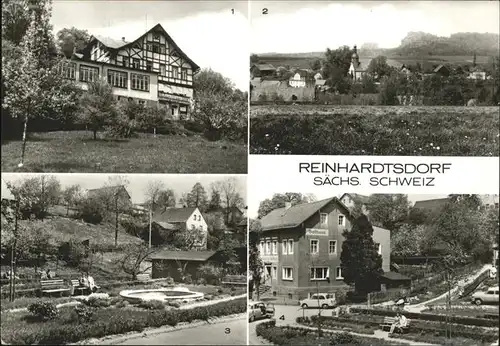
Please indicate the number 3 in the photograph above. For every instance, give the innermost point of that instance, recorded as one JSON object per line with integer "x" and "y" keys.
{"x": 227, "y": 330}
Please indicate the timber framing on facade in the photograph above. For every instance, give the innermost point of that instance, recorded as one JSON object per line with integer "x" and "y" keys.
{"x": 149, "y": 69}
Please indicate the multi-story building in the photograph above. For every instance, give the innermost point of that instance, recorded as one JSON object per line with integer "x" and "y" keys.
{"x": 300, "y": 247}
{"x": 150, "y": 69}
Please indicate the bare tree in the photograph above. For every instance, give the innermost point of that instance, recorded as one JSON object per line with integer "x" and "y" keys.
{"x": 133, "y": 257}
{"x": 153, "y": 191}
{"x": 116, "y": 198}
{"x": 229, "y": 190}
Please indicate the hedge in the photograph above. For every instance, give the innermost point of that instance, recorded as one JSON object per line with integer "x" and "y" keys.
{"x": 471, "y": 321}
{"x": 110, "y": 321}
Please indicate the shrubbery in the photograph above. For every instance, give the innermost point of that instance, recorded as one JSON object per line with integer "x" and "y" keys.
{"x": 112, "y": 321}
{"x": 43, "y": 310}
{"x": 151, "y": 305}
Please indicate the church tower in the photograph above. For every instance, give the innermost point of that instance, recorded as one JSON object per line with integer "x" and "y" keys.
{"x": 355, "y": 57}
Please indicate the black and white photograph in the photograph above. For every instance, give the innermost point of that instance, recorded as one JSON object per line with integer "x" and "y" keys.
{"x": 395, "y": 78}
{"x": 124, "y": 86}
{"x": 343, "y": 268}
{"x": 123, "y": 259}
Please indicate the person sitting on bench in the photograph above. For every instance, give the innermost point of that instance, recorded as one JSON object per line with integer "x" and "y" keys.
{"x": 91, "y": 283}
{"x": 400, "y": 323}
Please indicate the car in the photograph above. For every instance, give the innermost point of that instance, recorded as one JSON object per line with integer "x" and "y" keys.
{"x": 319, "y": 300}
{"x": 488, "y": 296}
{"x": 259, "y": 310}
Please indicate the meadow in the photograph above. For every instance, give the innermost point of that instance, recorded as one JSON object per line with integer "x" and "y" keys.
{"x": 374, "y": 130}
{"x": 76, "y": 151}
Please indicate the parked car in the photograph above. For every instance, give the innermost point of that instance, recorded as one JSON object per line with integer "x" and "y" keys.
{"x": 259, "y": 310}
{"x": 319, "y": 300}
{"x": 489, "y": 296}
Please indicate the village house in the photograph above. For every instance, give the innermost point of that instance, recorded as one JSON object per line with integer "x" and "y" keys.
{"x": 298, "y": 80}
{"x": 437, "y": 204}
{"x": 107, "y": 194}
{"x": 442, "y": 71}
{"x": 183, "y": 219}
{"x": 262, "y": 70}
{"x": 300, "y": 247}
{"x": 357, "y": 67}
{"x": 151, "y": 69}
{"x": 352, "y": 200}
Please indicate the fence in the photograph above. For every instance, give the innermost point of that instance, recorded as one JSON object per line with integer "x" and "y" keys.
{"x": 392, "y": 294}
{"x": 469, "y": 288}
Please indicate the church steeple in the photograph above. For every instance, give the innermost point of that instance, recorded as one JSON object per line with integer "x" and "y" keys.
{"x": 355, "y": 57}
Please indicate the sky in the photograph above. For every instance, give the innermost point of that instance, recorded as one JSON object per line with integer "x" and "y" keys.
{"x": 207, "y": 31}
{"x": 311, "y": 26}
{"x": 137, "y": 183}
{"x": 255, "y": 199}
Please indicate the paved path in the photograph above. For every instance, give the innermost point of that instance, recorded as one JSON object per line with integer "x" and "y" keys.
{"x": 231, "y": 331}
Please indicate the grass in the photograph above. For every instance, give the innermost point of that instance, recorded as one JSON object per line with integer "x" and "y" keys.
{"x": 76, "y": 151}
{"x": 375, "y": 130}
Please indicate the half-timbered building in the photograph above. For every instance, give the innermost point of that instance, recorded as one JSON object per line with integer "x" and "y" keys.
{"x": 149, "y": 69}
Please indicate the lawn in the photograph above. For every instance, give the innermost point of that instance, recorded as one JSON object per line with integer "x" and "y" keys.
{"x": 76, "y": 151}
{"x": 374, "y": 130}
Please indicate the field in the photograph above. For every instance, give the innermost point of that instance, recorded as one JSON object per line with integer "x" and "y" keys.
{"x": 76, "y": 151}
{"x": 304, "y": 60}
{"x": 374, "y": 130}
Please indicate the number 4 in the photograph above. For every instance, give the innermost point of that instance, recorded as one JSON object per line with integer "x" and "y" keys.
{"x": 282, "y": 317}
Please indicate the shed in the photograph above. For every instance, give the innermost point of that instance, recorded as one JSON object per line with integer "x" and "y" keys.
{"x": 395, "y": 280}
{"x": 175, "y": 264}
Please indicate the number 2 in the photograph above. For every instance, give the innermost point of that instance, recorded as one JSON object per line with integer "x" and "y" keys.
{"x": 264, "y": 11}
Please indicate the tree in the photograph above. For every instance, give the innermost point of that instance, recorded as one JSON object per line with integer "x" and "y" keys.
{"x": 116, "y": 198}
{"x": 378, "y": 67}
{"x": 189, "y": 239}
{"x": 279, "y": 199}
{"x": 215, "y": 200}
{"x": 153, "y": 117}
{"x": 166, "y": 199}
{"x": 408, "y": 240}
{"x": 215, "y": 106}
{"x": 254, "y": 59}
{"x": 15, "y": 20}
{"x": 29, "y": 80}
{"x": 196, "y": 198}
{"x": 127, "y": 119}
{"x": 230, "y": 196}
{"x": 131, "y": 262}
{"x": 316, "y": 65}
{"x": 388, "y": 211}
{"x": 72, "y": 40}
{"x": 216, "y": 228}
{"x": 71, "y": 196}
{"x": 360, "y": 262}
{"x": 255, "y": 264}
{"x": 37, "y": 194}
{"x": 336, "y": 67}
{"x": 97, "y": 106}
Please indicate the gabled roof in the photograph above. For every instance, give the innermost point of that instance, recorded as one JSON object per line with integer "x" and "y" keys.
{"x": 119, "y": 44}
{"x": 166, "y": 225}
{"x": 296, "y": 215}
{"x": 173, "y": 215}
{"x": 440, "y": 67}
{"x": 431, "y": 204}
{"x": 108, "y": 189}
{"x": 200, "y": 256}
{"x": 6, "y": 192}
{"x": 264, "y": 67}
{"x": 320, "y": 82}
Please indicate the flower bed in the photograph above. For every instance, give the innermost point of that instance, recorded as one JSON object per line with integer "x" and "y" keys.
{"x": 67, "y": 328}
{"x": 443, "y": 340}
{"x": 341, "y": 323}
{"x": 306, "y": 336}
{"x": 465, "y": 320}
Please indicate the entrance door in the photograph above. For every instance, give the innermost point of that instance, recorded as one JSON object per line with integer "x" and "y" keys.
{"x": 175, "y": 111}
{"x": 267, "y": 276}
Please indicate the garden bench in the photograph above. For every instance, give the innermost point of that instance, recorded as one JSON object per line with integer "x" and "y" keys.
{"x": 235, "y": 280}
{"x": 82, "y": 289}
{"x": 53, "y": 286}
{"x": 389, "y": 321}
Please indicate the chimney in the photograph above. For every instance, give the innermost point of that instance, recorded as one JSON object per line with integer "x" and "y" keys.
{"x": 288, "y": 205}
{"x": 123, "y": 39}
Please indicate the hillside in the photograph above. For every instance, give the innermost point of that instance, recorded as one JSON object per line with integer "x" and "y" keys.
{"x": 459, "y": 48}
{"x": 61, "y": 229}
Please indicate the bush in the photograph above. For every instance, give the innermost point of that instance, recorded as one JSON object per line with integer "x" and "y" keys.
{"x": 343, "y": 339}
{"x": 84, "y": 313}
{"x": 210, "y": 273}
{"x": 170, "y": 281}
{"x": 97, "y": 302}
{"x": 43, "y": 310}
{"x": 152, "y": 305}
{"x": 194, "y": 126}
